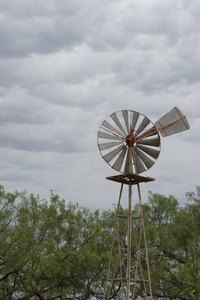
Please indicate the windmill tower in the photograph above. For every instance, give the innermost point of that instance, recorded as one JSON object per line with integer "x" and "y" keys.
{"x": 130, "y": 143}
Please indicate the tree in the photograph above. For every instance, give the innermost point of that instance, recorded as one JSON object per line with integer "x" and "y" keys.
{"x": 174, "y": 246}
{"x": 53, "y": 250}
{"x": 50, "y": 251}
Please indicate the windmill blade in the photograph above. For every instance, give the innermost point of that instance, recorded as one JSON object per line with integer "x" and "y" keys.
{"x": 105, "y": 146}
{"x": 129, "y": 161}
{"x": 128, "y": 141}
{"x": 110, "y": 127}
{"x": 134, "y": 119}
{"x": 145, "y": 159}
{"x": 125, "y": 116}
{"x": 117, "y": 122}
{"x": 172, "y": 122}
{"x": 145, "y": 122}
{"x": 109, "y": 156}
{"x": 139, "y": 166}
{"x": 148, "y": 133}
{"x": 151, "y": 152}
{"x": 155, "y": 142}
{"x": 108, "y": 136}
{"x": 119, "y": 161}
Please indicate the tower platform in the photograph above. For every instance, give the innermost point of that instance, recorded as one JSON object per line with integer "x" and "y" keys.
{"x": 130, "y": 178}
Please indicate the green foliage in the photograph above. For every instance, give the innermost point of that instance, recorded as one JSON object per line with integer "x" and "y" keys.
{"x": 53, "y": 250}
{"x": 174, "y": 246}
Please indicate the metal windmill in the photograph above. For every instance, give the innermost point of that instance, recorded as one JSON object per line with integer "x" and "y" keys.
{"x": 130, "y": 143}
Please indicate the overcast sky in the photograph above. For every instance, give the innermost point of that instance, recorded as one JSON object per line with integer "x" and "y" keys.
{"x": 65, "y": 65}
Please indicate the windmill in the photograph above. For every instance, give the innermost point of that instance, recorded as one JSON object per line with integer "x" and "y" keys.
{"x": 130, "y": 143}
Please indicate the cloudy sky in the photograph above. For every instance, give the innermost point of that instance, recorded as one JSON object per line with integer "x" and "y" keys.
{"x": 68, "y": 64}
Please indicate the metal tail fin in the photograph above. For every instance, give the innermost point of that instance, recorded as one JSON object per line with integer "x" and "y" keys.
{"x": 172, "y": 122}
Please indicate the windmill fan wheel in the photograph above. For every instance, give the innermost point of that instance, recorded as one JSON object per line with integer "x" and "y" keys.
{"x": 129, "y": 140}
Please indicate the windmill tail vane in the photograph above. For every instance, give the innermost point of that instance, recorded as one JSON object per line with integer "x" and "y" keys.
{"x": 172, "y": 122}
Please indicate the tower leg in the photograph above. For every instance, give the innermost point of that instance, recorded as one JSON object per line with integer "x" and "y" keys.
{"x": 145, "y": 240}
{"x": 129, "y": 240}
{"x": 111, "y": 249}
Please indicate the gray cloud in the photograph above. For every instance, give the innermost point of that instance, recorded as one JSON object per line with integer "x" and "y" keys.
{"x": 67, "y": 65}
{"x": 38, "y": 27}
{"x": 46, "y": 27}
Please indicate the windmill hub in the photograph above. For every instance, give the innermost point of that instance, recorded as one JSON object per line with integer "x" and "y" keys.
{"x": 130, "y": 139}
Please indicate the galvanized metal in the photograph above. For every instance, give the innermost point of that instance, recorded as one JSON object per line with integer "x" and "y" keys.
{"x": 152, "y": 152}
{"x": 148, "y": 162}
{"x": 135, "y": 119}
{"x": 145, "y": 122}
{"x": 119, "y": 161}
{"x": 139, "y": 166}
{"x": 105, "y": 146}
{"x": 125, "y": 116}
{"x": 172, "y": 122}
{"x": 109, "y": 156}
{"x": 105, "y": 135}
{"x": 117, "y": 122}
{"x": 111, "y": 128}
{"x": 132, "y": 130}
{"x": 152, "y": 142}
